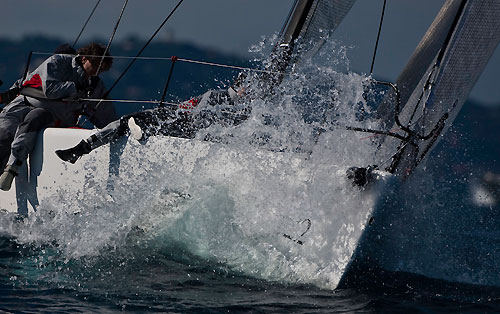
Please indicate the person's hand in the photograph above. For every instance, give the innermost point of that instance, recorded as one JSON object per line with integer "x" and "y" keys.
{"x": 9, "y": 95}
{"x": 88, "y": 86}
{"x": 93, "y": 81}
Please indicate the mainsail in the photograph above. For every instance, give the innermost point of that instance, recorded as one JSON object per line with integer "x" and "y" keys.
{"x": 310, "y": 24}
{"x": 439, "y": 77}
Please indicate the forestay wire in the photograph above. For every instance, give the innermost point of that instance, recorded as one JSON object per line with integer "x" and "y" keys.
{"x": 378, "y": 37}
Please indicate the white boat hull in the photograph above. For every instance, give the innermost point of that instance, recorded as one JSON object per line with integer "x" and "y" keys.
{"x": 390, "y": 227}
{"x": 264, "y": 190}
{"x": 45, "y": 174}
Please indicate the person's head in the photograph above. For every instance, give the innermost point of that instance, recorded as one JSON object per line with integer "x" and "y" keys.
{"x": 91, "y": 56}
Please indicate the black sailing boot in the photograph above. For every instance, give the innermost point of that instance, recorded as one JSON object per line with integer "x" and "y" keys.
{"x": 72, "y": 154}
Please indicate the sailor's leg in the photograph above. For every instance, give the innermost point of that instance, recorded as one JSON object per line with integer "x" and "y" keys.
{"x": 72, "y": 154}
{"x": 10, "y": 118}
{"x": 183, "y": 126}
{"x": 166, "y": 121}
{"x": 148, "y": 123}
{"x": 109, "y": 133}
{"x": 161, "y": 121}
{"x": 26, "y": 134}
{"x": 7, "y": 132}
{"x": 144, "y": 124}
{"x": 24, "y": 142}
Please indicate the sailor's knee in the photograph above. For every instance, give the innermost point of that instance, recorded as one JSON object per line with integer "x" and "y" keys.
{"x": 36, "y": 120}
{"x": 6, "y": 136}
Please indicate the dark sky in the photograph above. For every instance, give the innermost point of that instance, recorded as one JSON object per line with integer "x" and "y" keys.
{"x": 234, "y": 25}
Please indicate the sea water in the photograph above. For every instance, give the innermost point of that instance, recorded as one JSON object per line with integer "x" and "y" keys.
{"x": 231, "y": 227}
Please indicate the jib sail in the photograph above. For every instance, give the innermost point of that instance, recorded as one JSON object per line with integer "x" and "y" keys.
{"x": 439, "y": 77}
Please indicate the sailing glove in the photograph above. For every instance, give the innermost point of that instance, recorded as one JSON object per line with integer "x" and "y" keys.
{"x": 9, "y": 95}
{"x": 88, "y": 86}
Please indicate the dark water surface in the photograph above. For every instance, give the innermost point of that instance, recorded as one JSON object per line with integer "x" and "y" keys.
{"x": 137, "y": 279}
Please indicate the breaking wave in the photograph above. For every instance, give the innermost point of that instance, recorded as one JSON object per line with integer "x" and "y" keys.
{"x": 245, "y": 202}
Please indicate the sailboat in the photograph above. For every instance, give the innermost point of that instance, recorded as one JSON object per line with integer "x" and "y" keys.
{"x": 416, "y": 112}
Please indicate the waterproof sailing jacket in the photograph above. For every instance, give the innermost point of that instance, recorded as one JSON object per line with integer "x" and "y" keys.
{"x": 54, "y": 87}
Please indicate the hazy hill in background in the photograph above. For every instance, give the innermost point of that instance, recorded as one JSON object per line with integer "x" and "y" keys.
{"x": 471, "y": 146}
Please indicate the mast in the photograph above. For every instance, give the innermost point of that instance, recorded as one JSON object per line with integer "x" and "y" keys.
{"x": 296, "y": 22}
{"x": 308, "y": 27}
{"x": 282, "y": 52}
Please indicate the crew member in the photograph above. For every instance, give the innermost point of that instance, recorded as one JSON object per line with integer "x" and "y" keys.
{"x": 182, "y": 121}
{"x": 51, "y": 96}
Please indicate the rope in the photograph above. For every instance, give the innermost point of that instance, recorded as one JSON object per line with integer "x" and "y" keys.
{"x": 378, "y": 37}
{"x": 221, "y": 65}
{"x": 109, "y": 44}
{"x": 27, "y": 68}
{"x": 377, "y": 134}
{"x": 112, "y": 35}
{"x": 140, "y": 52}
{"x": 227, "y": 66}
{"x": 85, "y": 25}
{"x": 129, "y": 101}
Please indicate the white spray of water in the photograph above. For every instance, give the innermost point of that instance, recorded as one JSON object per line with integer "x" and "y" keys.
{"x": 232, "y": 203}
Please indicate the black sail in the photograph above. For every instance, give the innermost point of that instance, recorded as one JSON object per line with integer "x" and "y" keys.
{"x": 440, "y": 75}
{"x": 309, "y": 26}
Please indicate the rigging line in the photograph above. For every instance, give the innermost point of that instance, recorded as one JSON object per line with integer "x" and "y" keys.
{"x": 378, "y": 37}
{"x": 366, "y": 130}
{"x": 427, "y": 86}
{"x": 227, "y": 66}
{"x": 179, "y": 59}
{"x": 396, "y": 158}
{"x": 398, "y": 151}
{"x": 157, "y": 102}
{"x": 112, "y": 35}
{"x": 143, "y": 48}
{"x": 109, "y": 44}
{"x": 377, "y": 134}
{"x": 85, "y": 25}
{"x": 130, "y": 101}
{"x": 27, "y": 68}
